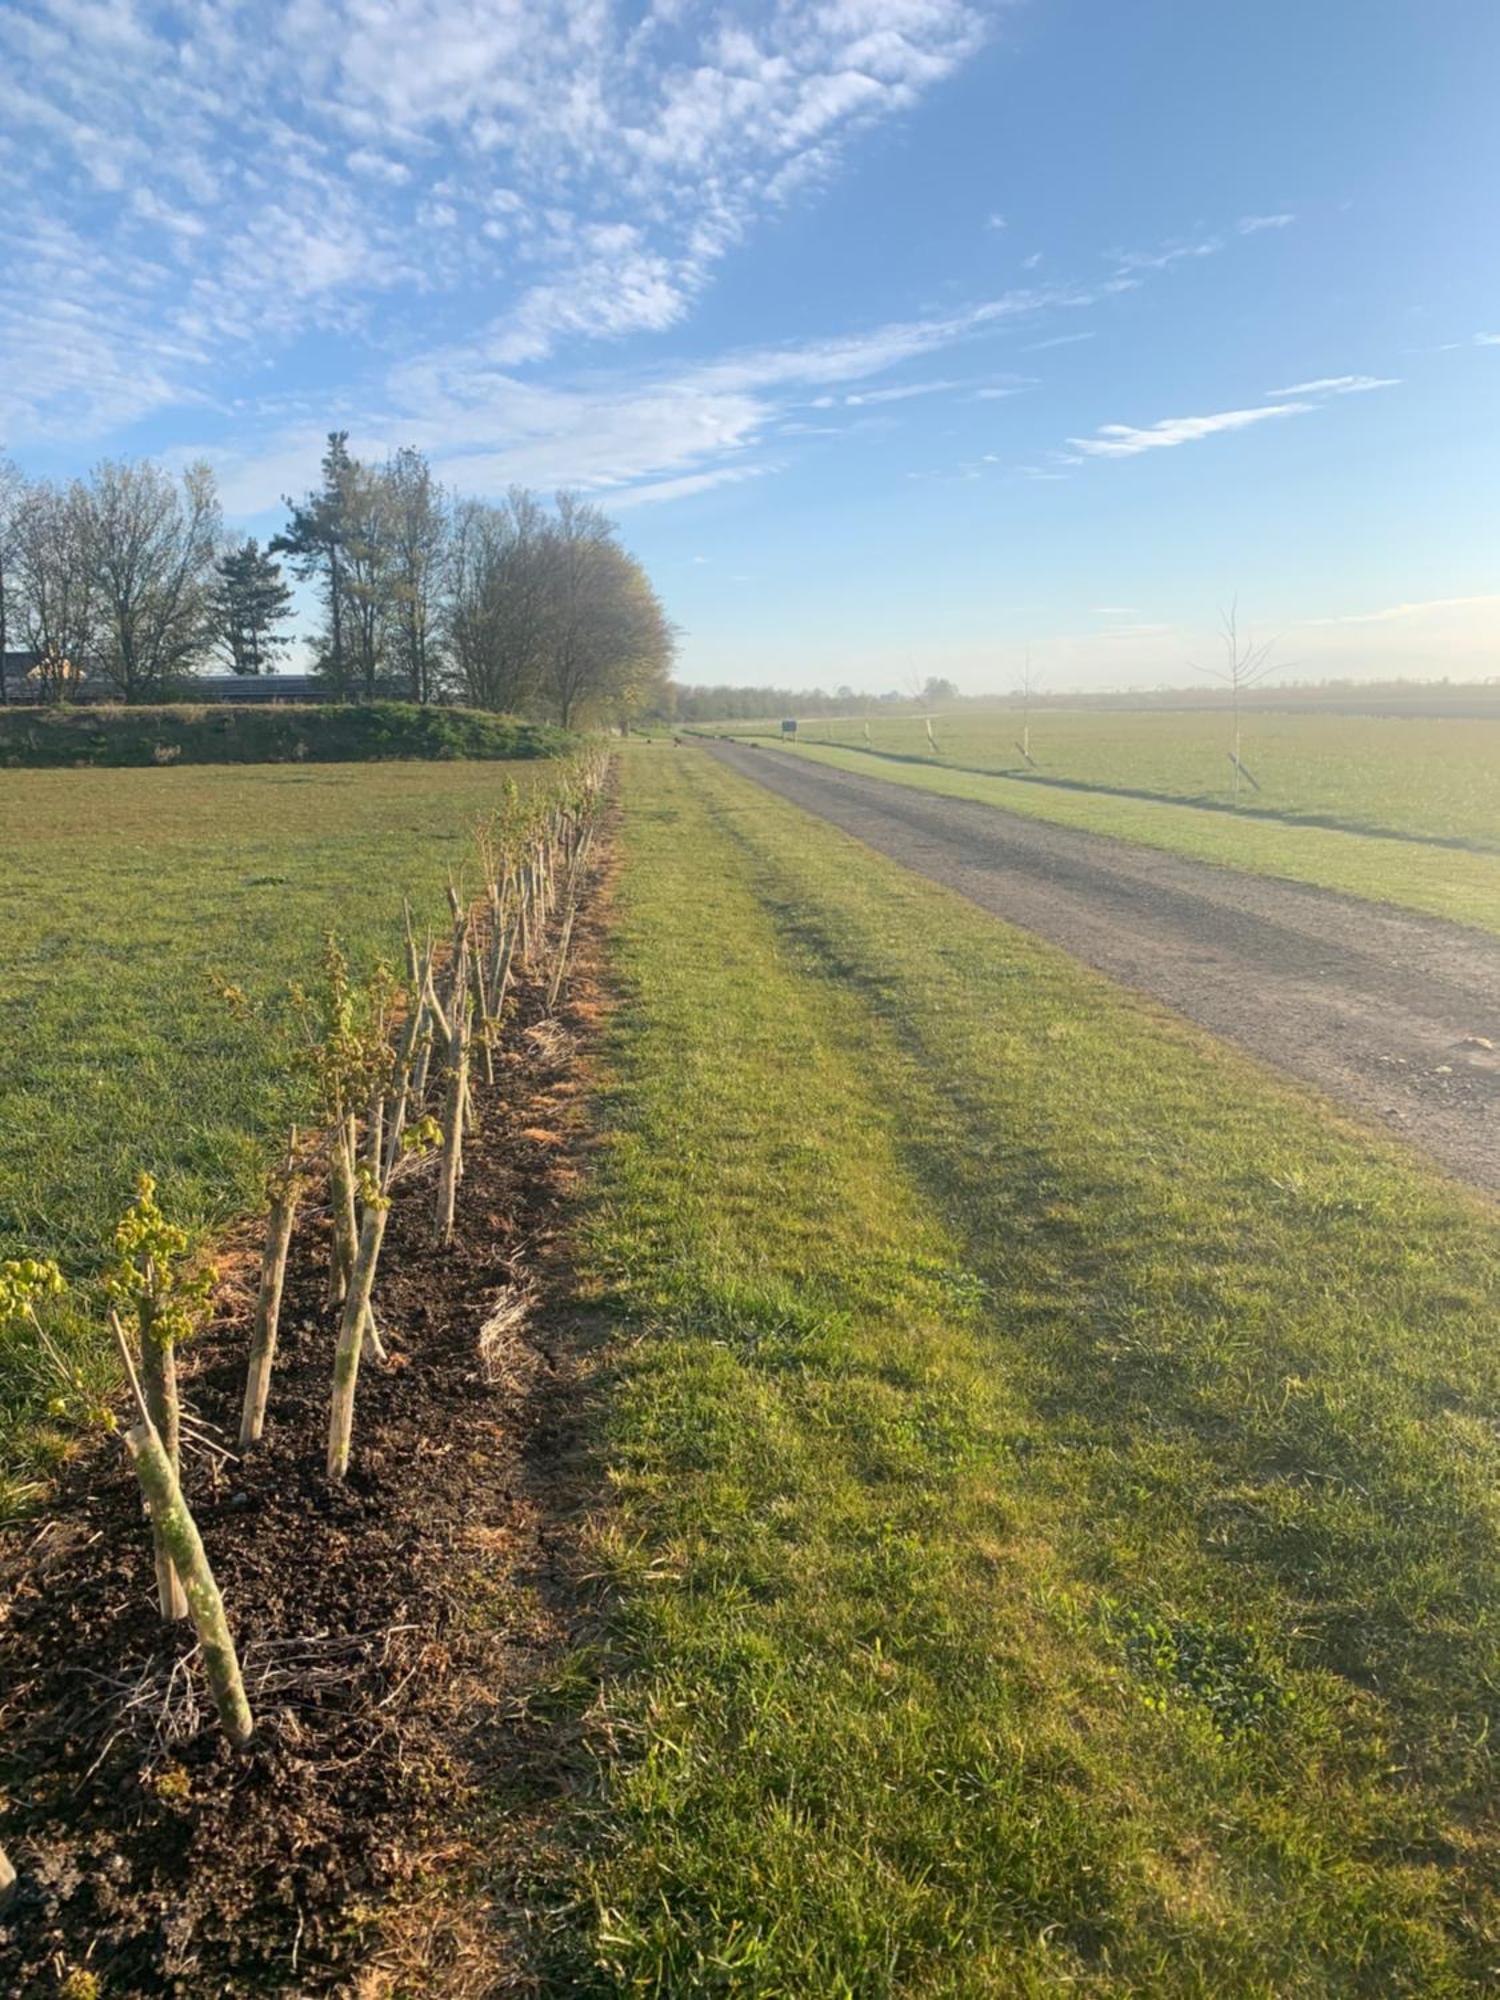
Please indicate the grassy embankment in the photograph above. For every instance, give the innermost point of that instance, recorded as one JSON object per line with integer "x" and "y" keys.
{"x": 1053, "y": 1536}
{"x": 1398, "y": 864}
{"x": 122, "y": 896}
{"x": 210, "y": 733}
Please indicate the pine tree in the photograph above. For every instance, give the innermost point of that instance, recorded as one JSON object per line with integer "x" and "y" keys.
{"x": 316, "y": 539}
{"x": 250, "y": 601}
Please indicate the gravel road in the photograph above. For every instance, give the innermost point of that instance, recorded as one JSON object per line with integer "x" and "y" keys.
{"x": 1396, "y": 1015}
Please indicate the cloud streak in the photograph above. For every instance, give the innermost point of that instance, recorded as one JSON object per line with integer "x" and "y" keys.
{"x": 1129, "y": 440}
{"x": 1339, "y": 385}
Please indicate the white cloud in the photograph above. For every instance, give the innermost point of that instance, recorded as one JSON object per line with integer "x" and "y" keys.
{"x": 1057, "y": 340}
{"x": 1487, "y": 340}
{"x": 997, "y": 222}
{"x": 1252, "y": 225}
{"x": 1167, "y": 255}
{"x": 377, "y": 166}
{"x": 690, "y": 483}
{"x": 899, "y": 394}
{"x": 1128, "y": 441}
{"x": 1425, "y": 607}
{"x": 1339, "y": 385}
{"x": 297, "y": 161}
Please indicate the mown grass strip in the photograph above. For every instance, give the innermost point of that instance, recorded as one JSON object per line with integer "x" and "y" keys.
{"x": 1441, "y": 881}
{"x": 1053, "y": 1530}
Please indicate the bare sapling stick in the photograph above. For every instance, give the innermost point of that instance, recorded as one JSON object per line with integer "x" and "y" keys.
{"x": 434, "y": 1029}
{"x": 453, "y": 1126}
{"x": 401, "y": 1084}
{"x": 278, "y": 1243}
{"x": 483, "y": 1013}
{"x": 561, "y": 964}
{"x": 342, "y": 1179}
{"x": 173, "y": 1524}
{"x": 375, "y": 1131}
{"x": 502, "y": 977}
{"x": 523, "y": 912}
{"x": 159, "y": 1374}
{"x": 356, "y": 1320}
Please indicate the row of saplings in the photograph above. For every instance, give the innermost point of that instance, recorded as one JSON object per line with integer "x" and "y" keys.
{"x": 393, "y": 1067}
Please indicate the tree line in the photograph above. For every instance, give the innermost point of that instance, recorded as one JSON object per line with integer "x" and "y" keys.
{"x": 126, "y": 581}
{"x": 751, "y": 704}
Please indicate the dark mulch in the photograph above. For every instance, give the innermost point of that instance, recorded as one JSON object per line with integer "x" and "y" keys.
{"x": 389, "y": 1629}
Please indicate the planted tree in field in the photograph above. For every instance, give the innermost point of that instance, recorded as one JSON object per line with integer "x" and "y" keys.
{"x": 1029, "y": 685}
{"x": 1245, "y": 665}
{"x": 155, "y": 1283}
{"x": 250, "y": 604}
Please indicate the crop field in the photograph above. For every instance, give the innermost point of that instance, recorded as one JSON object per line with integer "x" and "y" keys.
{"x": 129, "y": 900}
{"x": 1051, "y": 1542}
{"x": 1400, "y": 811}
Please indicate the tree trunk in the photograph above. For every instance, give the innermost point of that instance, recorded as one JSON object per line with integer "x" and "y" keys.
{"x": 175, "y": 1527}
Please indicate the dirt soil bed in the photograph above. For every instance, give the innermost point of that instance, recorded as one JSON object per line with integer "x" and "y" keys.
{"x": 1396, "y": 1015}
{"x": 389, "y": 1630}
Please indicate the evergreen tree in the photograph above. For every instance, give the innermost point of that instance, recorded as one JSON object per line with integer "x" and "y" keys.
{"x": 250, "y": 602}
{"x": 316, "y": 540}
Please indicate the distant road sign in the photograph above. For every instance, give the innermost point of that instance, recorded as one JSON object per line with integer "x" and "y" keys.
{"x": 789, "y": 727}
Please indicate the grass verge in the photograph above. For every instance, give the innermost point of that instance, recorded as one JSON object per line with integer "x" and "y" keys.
{"x": 1053, "y": 1537}
{"x": 1455, "y": 883}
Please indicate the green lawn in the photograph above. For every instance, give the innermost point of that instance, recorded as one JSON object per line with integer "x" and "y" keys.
{"x": 122, "y": 894}
{"x": 1424, "y": 778}
{"x": 1461, "y": 884}
{"x": 1051, "y": 1542}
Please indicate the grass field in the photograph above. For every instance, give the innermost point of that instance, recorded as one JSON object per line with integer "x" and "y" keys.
{"x": 122, "y": 895}
{"x": 1460, "y": 883}
{"x": 1052, "y": 1542}
{"x": 1420, "y": 778}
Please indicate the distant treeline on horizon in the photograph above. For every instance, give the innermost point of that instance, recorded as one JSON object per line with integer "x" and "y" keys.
{"x": 698, "y": 704}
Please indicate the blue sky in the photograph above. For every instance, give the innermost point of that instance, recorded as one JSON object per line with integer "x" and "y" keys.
{"x": 899, "y": 335}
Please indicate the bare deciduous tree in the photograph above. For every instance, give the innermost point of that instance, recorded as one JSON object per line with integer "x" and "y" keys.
{"x": 418, "y": 532}
{"x": 149, "y": 548}
{"x": 12, "y": 500}
{"x": 54, "y": 583}
{"x": 1246, "y": 664}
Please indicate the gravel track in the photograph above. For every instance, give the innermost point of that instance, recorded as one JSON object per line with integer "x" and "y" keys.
{"x": 1385, "y": 1010}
